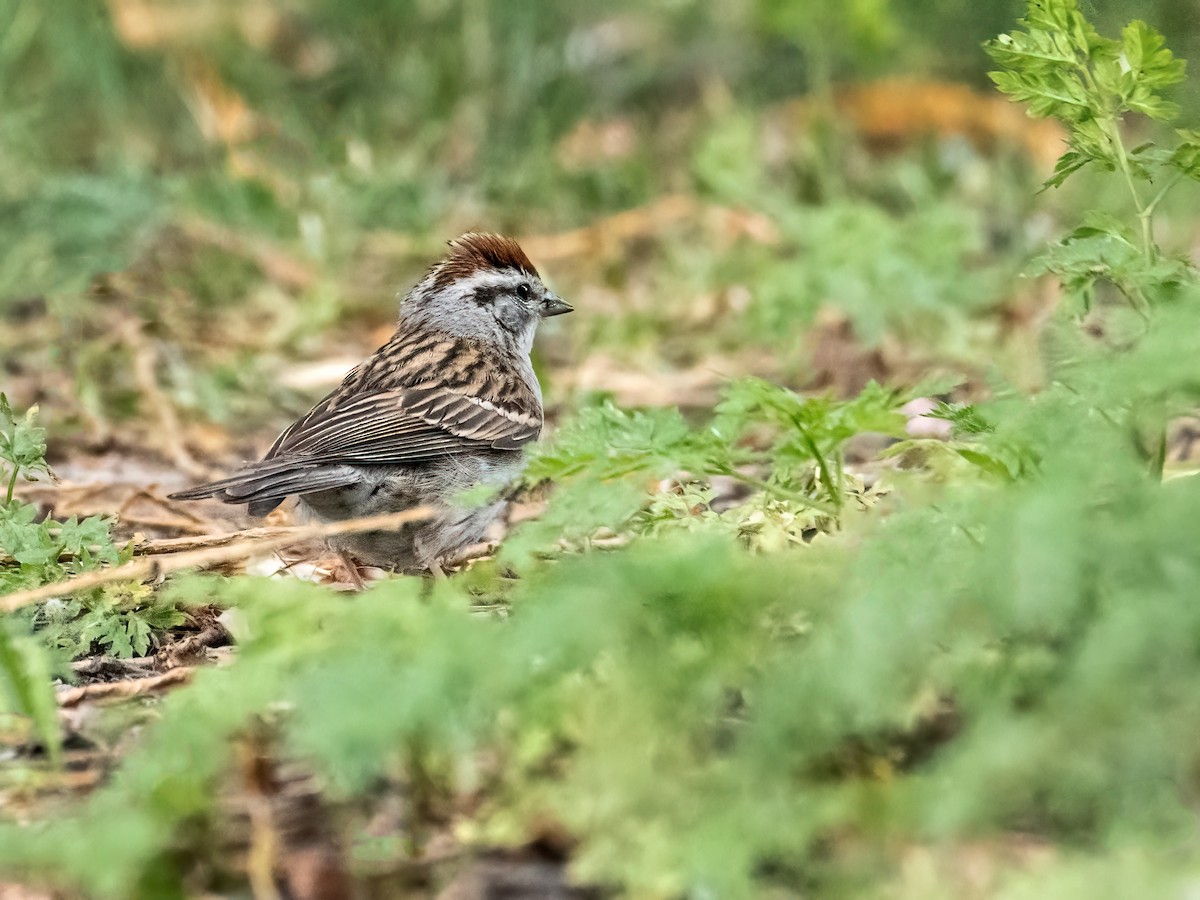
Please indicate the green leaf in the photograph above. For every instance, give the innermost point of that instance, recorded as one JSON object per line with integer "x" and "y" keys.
{"x": 986, "y": 461}
{"x": 1064, "y": 69}
{"x": 26, "y": 682}
{"x": 1186, "y": 156}
{"x": 1068, "y": 164}
{"x": 35, "y": 555}
{"x": 1146, "y": 59}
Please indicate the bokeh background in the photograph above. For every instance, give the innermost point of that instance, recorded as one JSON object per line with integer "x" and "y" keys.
{"x": 207, "y": 208}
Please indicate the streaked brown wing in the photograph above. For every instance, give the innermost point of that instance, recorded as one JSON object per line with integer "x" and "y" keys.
{"x": 388, "y": 411}
{"x": 405, "y": 425}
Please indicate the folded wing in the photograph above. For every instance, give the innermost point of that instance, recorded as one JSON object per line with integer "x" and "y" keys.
{"x": 387, "y": 427}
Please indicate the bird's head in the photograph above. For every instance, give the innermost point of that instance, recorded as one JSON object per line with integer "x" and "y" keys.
{"x": 484, "y": 289}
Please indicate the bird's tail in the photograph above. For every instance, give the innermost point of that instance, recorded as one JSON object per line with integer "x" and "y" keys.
{"x": 265, "y": 485}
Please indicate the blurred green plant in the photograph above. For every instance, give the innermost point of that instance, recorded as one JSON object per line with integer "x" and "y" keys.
{"x": 1064, "y": 68}
{"x": 787, "y": 449}
{"x": 27, "y": 689}
{"x": 831, "y": 34}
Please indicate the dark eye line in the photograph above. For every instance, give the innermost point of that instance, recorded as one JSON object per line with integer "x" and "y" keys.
{"x": 485, "y": 296}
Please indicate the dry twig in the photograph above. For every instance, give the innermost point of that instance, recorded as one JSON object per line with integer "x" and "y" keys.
{"x": 177, "y": 517}
{"x": 107, "y": 690}
{"x": 189, "y": 544}
{"x": 257, "y": 540}
{"x": 173, "y": 654}
{"x": 95, "y": 666}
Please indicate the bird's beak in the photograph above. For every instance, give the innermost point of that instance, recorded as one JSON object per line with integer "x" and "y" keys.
{"x": 554, "y": 305}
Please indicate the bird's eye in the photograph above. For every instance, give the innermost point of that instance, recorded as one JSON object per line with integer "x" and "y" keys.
{"x": 524, "y": 290}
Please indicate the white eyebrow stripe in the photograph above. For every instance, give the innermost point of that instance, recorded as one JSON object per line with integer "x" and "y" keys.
{"x": 466, "y": 287}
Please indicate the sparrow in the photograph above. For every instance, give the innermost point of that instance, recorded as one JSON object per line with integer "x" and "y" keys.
{"x": 445, "y": 405}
